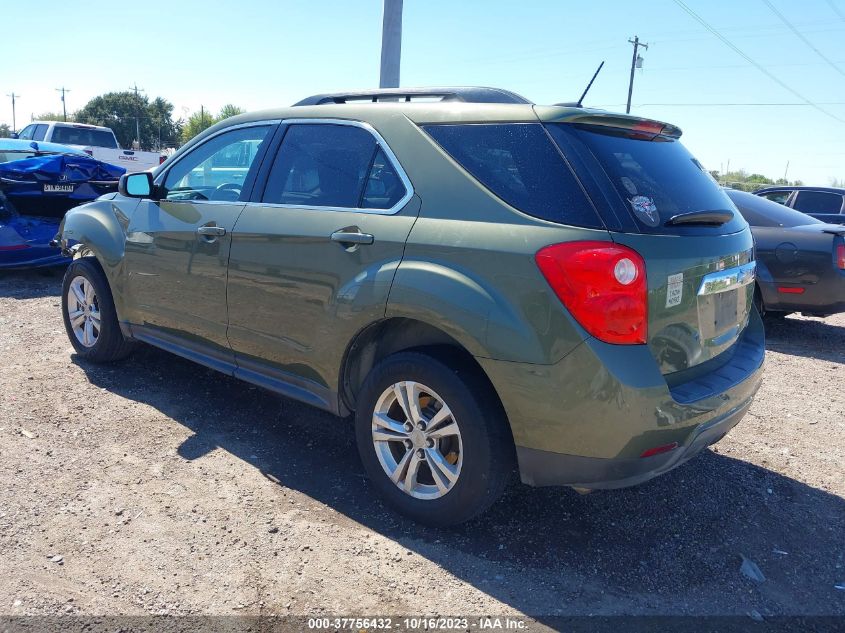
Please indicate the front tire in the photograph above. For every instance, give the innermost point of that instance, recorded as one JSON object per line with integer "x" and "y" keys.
{"x": 89, "y": 314}
{"x": 433, "y": 440}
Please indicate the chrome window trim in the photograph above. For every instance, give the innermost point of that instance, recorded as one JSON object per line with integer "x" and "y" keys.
{"x": 382, "y": 144}
{"x": 725, "y": 280}
{"x": 161, "y": 177}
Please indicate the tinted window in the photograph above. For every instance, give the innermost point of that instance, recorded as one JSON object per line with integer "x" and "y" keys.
{"x": 656, "y": 178}
{"x": 776, "y": 196}
{"x": 39, "y": 132}
{"x": 384, "y": 188}
{"x": 323, "y": 165}
{"x": 759, "y": 211}
{"x": 218, "y": 168}
{"x": 818, "y": 202}
{"x": 69, "y": 135}
{"x": 519, "y": 163}
{"x": 27, "y": 132}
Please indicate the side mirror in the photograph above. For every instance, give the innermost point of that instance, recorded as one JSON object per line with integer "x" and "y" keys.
{"x": 14, "y": 135}
{"x": 138, "y": 185}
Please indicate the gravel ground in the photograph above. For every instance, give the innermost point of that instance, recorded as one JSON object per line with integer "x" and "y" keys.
{"x": 158, "y": 486}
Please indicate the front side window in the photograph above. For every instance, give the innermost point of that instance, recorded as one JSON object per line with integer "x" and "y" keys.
{"x": 818, "y": 202}
{"x": 27, "y": 132}
{"x": 777, "y": 196}
{"x": 335, "y": 166}
{"x": 218, "y": 168}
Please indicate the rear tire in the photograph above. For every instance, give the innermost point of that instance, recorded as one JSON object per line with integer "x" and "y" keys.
{"x": 454, "y": 465}
{"x": 89, "y": 314}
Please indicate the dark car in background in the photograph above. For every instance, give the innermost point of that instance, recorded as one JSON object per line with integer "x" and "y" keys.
{"x": 39, "y": 183}
{"x": 800, "y": 260}
{"x": 823, "y": 203}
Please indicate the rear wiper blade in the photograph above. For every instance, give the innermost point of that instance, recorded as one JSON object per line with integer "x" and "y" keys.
{"x": 700, "y": 218}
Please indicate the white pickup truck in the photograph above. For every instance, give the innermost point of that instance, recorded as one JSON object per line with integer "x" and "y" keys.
{"x": 96, "y": 141}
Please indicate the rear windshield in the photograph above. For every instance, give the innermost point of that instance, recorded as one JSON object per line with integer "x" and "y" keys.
{"x": 759, "y": 211}
{"x": 83, "y": 136}
{"x": 520, "y": 164}
{"x": 655, "y": 178}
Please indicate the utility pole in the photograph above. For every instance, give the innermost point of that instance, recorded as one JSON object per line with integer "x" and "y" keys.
{"x": 391, "y": 44}
{"x": 13, "y": 95}
{"x": 63, "y": 90}
{"x": 636, "y": 62}
{"x": 786, "y": 171}
{"x": 137, "y": 114}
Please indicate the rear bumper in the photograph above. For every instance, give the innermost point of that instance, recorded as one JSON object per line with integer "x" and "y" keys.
{"x": 587, "y": 420}
{"x": 544, "y": 468}
{"x": 823, "y": 298}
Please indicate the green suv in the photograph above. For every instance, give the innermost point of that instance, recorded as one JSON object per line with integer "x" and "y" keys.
{"x": 490, "y": 286}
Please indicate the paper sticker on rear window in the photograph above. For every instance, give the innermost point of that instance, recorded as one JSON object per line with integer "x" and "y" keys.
{"x": 674, "y": 289}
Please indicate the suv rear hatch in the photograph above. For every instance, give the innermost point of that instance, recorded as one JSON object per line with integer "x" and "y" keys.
{"x": 657, "y": 199}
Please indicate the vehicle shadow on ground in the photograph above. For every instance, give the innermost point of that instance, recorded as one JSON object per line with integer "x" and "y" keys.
{"x": 663, "y": 547}
{"x": 812, "y": 338}
{"x": 32, "y": 283}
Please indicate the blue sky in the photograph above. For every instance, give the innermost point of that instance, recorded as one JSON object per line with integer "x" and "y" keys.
{"x": 263, "y": 53}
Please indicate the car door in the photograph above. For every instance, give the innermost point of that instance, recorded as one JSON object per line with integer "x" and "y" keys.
{"x": 177, "y": 245}
{"x": 313, "y": 257}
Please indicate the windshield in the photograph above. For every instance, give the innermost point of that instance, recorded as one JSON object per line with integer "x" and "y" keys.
{"x": 759, "y": 211}
{"x": 656, "y": 178}
{"x": 69, "y": 135}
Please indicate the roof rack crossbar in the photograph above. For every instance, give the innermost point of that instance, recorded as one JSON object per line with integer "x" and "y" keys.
{"x": 466, "y": 94}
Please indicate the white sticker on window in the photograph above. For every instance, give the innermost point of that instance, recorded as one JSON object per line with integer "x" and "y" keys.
{"x": 674, "y": 290}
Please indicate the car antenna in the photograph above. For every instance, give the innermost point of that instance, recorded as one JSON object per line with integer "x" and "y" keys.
{"x": 590, "y": 85}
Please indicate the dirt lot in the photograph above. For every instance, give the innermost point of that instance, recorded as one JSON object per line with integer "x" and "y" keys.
{"x": 157, "y": 486}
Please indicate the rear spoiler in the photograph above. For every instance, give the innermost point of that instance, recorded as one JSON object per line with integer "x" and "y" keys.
{"x": 644, "y": 128}
{"x": 840, "y": 232}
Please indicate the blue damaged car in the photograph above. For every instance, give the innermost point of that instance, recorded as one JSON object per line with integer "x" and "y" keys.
{"x": 39, "y": 183}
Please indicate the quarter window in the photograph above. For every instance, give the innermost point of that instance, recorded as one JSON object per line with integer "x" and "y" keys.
{"x": 519, "y": 163}
{"x": 337, "y": 166}
{"x": 217, "y": 169}
{"x": 818, "y": 202}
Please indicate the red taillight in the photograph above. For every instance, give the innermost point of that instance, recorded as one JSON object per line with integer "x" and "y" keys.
{"x": 603, "y": 285}
{"x": 840, "y": 256}
{"x": 658, "y": 450}
{"x": 161, "y": 159}
{"x": 790, "y": 290}
{"x": 14, "y": 247}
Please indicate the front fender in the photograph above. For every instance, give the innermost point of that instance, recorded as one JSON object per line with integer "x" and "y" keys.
{"x": 100, "y": 228}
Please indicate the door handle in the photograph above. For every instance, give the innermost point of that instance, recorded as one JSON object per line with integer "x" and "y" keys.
{"x": 352, "y": 237}
{"x": 214, "y": 231}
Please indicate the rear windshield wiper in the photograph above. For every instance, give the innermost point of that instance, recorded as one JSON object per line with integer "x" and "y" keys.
{"x": 700, "y": 218}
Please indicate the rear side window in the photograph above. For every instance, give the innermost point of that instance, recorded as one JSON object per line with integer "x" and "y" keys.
{"x": 70, "y": 135}
{"x": 335, "y": 166}
{"x": 818, "y": 202}
{"x": 40, "y": 132}
{"x": 656, "y": 178}
{"x": 520, "y": 164}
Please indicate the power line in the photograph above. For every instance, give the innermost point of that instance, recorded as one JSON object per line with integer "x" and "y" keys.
{"x": 803, "y": 105}
{"x": 836, "y": 10}
{"x": 801, "y": 37}
{"x": 759, "y": 67}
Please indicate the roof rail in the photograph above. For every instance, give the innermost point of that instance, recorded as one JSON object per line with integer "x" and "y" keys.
{"x": 466, "y": 94}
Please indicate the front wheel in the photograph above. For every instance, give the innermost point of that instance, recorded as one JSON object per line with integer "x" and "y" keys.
{"x": 433, "y": 440}
{"x": 89, "y": 315}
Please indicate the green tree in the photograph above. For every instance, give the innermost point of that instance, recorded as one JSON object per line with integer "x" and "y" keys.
{"x": 203, "y": 120}
{"x": 133, "y": 117}
{"x": 229, "y": 110}
{"x": 5, "y": 130}
{"x": 54, "y": 116}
